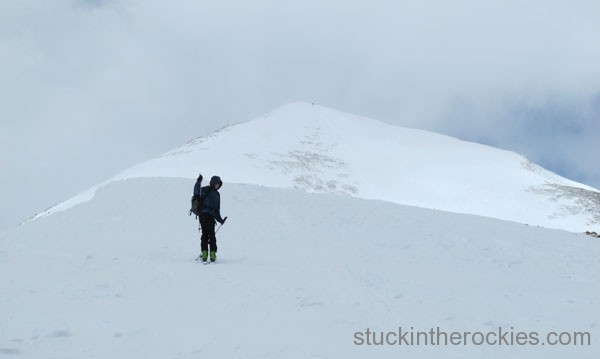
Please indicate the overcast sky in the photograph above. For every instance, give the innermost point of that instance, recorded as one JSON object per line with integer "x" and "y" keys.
{"x": 90, "y": 87}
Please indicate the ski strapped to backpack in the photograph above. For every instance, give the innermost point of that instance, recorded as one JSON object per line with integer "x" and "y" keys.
{"x": 197, "y": 198}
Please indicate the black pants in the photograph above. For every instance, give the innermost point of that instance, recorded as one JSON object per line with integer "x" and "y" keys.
{"x": 207, "y": 222}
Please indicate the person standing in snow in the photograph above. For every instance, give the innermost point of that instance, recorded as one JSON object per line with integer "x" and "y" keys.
{"x": 210, "y": 213}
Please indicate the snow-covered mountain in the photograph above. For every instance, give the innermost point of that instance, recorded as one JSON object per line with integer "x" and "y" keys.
{"x": 111, "y": 272}
{"x": 318, "y": 149}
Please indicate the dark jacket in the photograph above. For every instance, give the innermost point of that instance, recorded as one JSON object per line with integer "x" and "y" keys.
{"x": 211, "y": 200}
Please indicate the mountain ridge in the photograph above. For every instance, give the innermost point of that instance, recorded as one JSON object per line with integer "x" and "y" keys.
{"x": 318, "y": 149}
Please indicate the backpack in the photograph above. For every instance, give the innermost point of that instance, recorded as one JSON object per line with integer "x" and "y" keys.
{"x": 196, "y": 205}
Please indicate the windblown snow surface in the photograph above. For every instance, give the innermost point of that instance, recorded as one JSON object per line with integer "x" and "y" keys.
{"x": 298, "y": 275}
{"x": 317, "y": 149}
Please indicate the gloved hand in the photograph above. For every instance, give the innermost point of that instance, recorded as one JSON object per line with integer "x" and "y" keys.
{"x": 224, "y": 219}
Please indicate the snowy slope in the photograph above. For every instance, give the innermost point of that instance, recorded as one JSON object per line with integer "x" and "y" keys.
{"x": 322, "y": 150}
{"x": 298, "y": 275}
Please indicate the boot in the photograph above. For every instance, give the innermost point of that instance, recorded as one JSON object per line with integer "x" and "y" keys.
{"x": 213, "y": 256}
{"x": 204, "y": 255}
